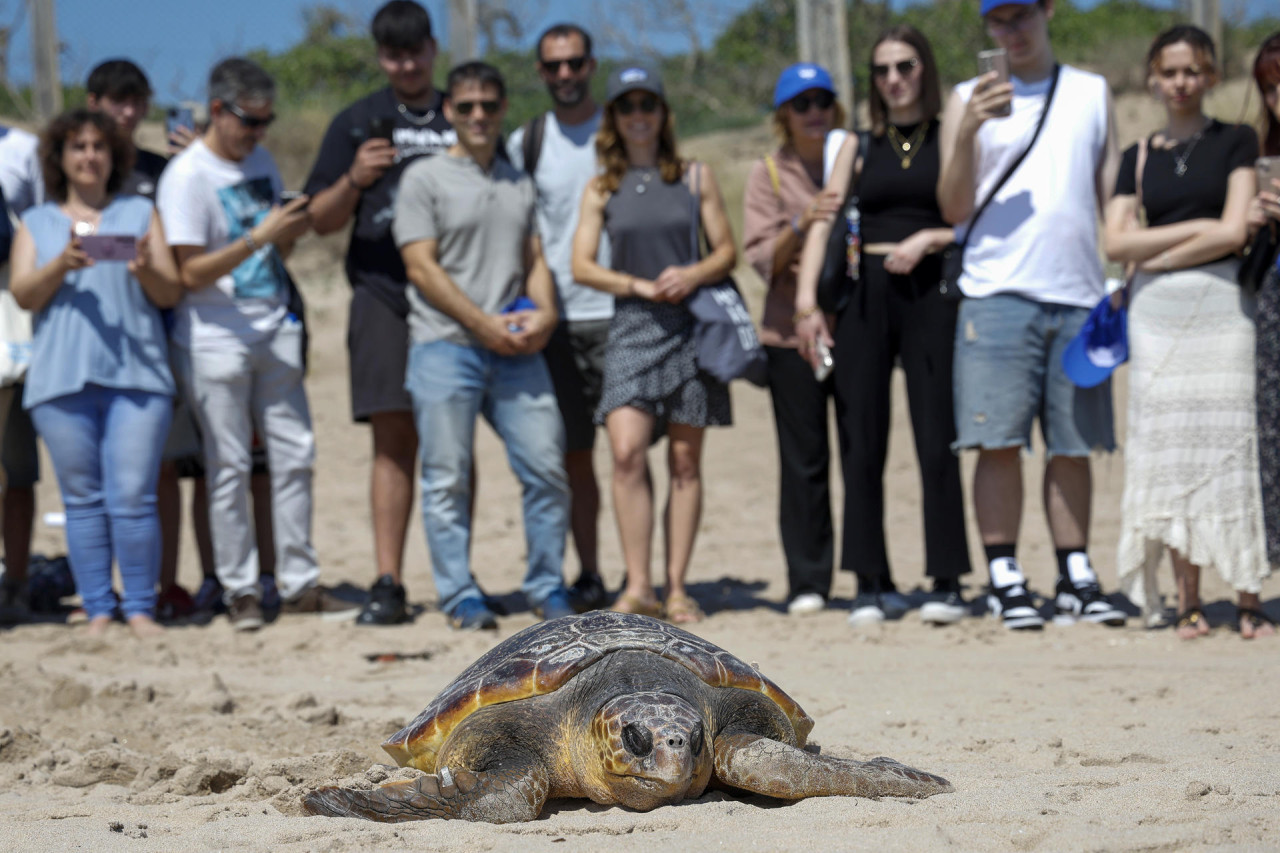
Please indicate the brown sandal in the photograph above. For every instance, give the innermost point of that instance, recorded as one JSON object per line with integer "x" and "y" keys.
{"x": 628, "y": 603}
{"x": 683, "y": 610}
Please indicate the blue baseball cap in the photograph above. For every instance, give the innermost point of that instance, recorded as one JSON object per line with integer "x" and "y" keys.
{"x": 798, "y": 78}
{"x": 1101, "y": 345}
{"x": 988, "y": 5}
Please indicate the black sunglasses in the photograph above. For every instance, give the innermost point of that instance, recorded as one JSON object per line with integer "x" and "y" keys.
{"x": 553, "y": 66}
{"x": 822, "y": 99}
{"x": 251, "y": 122}
{"x": 626, "y": 106}
{"x": 904, "y": 67}
{"x": 489, "y": 108}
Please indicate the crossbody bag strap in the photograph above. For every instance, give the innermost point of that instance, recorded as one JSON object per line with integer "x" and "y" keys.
{"x": 1013, "y": 167}
{"x": 695, "y": 215}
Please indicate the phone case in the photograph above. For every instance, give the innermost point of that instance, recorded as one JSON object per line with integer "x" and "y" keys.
{"x": 110, "y": 247}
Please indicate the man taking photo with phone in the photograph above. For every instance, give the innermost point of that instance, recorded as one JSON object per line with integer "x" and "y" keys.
{"x": 356, "y": 174}
{"x": 1031, "y": 275}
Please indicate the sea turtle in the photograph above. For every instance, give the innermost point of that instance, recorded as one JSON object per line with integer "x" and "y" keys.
{"x": 614, "y": 707}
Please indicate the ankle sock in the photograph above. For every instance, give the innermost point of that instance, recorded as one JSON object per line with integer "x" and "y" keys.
{"x": 1074, "y": 567}
{"x": 995, "y": 552}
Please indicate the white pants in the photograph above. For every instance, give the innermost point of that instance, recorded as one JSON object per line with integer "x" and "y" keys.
{"x": 233, "y": 388}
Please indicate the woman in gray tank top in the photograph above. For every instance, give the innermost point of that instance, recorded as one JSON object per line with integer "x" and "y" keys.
{"x": 643, "y": 201}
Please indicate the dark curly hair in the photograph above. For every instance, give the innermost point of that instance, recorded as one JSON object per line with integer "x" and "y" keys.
{"x": 54, "y": 139}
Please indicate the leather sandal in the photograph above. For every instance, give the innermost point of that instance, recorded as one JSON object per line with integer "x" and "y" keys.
{"x": 683, "y": 610}
{"x": 628, "y": 603}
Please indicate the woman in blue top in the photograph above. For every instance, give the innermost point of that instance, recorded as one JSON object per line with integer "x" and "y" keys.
{"x": 99, "y": 388}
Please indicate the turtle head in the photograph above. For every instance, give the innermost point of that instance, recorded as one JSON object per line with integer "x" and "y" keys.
{"x": 654, "y": 748}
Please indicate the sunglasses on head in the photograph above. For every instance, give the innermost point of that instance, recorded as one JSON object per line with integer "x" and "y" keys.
{"x": 489, "y": 108}
{"x": 904, "y": 68}
{"x": 626, "y": 106}
{"x": 553, "y": 66}
{"x": 251, "y": 122}
{"x": 822, "y": 99}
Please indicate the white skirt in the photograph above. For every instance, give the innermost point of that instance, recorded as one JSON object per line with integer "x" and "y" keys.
{"x": 1191, "y": 479}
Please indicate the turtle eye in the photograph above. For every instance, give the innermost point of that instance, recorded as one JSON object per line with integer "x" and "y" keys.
{"x": 637, "y": 740}
{"x": 695, "y": 741}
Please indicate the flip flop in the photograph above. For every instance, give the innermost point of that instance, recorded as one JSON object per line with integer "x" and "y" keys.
{"x": 683, "y": 610}
{"x": 1255, "y": 619}
{"x": 628, "y": 603}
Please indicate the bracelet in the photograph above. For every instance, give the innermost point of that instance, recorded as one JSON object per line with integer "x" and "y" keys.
{"x": 352, "y": 181}
{"x": 803, "y": 313}
{"x": 631, "y": 286}
{"x": 250, "y": 242}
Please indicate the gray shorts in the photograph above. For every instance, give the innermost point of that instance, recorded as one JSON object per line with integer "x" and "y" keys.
{"x": 18, "y": 451}
{"x": 378, "y": 346}
{"x": 1008, "y": 372}
{"x": 575, "y": 357}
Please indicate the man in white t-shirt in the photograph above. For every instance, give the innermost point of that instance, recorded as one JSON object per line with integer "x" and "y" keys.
{"x": 561, "y": 149}
{"x": 1031, "y": 274}
{"x": 241, "y": 348}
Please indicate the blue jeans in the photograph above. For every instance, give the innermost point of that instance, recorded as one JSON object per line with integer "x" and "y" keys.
{"x": 1008, "y": 372}
{"x": 106, "y": 445}
{"x": 451, "y": 385}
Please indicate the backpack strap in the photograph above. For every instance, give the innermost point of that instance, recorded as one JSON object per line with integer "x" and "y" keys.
{"x": 774, "y": 181}
{"x": 531, "y": 145}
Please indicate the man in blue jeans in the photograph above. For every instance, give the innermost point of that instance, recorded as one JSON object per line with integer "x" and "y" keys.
{"x": 464, "y": 223}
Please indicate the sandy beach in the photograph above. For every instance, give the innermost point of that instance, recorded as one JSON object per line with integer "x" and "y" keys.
{"x": 1077, "y": 738}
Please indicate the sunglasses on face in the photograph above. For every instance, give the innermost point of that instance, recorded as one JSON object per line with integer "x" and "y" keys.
{"x": 905, "y": 67}
{"x": 626, "y": 106}
{"x": 821, "y": 99}
{"x": 553, "y": 66}
{"x": 489, "y": 108}
{"x": 251, "y": 122}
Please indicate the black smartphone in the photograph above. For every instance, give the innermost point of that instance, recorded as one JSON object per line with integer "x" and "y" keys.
{"x": 176, "y": 117}
{"x": 287, "y": 196}
{"x": 381, "y": 127}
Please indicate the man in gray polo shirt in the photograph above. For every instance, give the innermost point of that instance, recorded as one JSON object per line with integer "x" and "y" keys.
{"x": 481, "y": 309}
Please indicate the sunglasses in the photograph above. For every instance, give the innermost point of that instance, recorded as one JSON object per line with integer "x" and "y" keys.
{"x": 626, "y": 106}
{"x": 905, "y": 67}
{"x": 553, "y": 66}
{"x": 489, "y": 108}
{"x": 251, "y": 122}
{"x": 821, "y": 99}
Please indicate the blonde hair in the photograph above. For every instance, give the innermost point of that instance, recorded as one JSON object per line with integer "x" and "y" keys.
{"x": 612, "y": 153}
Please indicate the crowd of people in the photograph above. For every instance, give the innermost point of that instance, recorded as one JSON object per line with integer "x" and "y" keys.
{"x": 541, "y": 280}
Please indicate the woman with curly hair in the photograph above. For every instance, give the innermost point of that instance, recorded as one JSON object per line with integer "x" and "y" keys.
{"x": 644, "y": 200}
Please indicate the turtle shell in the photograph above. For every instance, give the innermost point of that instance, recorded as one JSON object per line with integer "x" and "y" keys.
{"x": 544, "y": 657}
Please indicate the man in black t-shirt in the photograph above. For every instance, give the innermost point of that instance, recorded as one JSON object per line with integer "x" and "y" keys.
{"x": 357, "y": 174}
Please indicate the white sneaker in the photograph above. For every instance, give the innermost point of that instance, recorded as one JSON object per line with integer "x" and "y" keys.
{"x": 866, "y": 610}
{"x": 806, "y": 604}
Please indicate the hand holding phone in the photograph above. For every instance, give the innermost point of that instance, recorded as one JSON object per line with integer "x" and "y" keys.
{"x": 826, "y": 361}
{"x": 1268, "y": 170}
{"x": 381, "y": 127}
{"x": 996, "y": 60}
{"x": 287, "y": 196}
{"x": 110, "y": 247}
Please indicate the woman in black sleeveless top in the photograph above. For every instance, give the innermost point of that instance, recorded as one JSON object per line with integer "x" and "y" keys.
{"x": 643, "y": 200}
{"x": 894, "y": 313}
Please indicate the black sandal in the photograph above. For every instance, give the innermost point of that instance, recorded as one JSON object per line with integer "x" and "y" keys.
{"x": 1256, "y": 618}
{"x": 1191, "y": 618}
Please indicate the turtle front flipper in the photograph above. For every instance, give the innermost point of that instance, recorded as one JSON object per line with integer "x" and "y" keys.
{"x": 509, "y": 793}
{"x": 765, "y": 766}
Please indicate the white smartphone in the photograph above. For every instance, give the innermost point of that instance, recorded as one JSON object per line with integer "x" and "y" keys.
{"x": 996, "y": 60}
{"x": 1268, "y": 169}
{"x": 826, "y": 361}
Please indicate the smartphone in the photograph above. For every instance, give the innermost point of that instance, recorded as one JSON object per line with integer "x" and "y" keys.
{"x": 381, "y": 127}
{"x": 1268, "y": 169}
{"x": 826, "y": 361}
{"x": 110, "y": 247}
{"x": 998, "y": 61}
{"x": 176, "y": 117}
{"x": 520, "y": 303}
{"x": 287, "y": 196}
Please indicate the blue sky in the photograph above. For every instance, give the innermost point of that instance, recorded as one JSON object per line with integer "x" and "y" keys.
{"x": 177, "y": 41}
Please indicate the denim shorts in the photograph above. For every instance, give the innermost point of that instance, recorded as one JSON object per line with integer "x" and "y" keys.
{"x": 1008, "y": 372}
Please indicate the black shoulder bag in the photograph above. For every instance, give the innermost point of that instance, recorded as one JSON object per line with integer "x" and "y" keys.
{"x": 953, "y": 254}
{"x": 841, "y": 259}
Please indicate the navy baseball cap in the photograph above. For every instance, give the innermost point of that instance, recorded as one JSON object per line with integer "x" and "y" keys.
{"x": 988, "y": 5}
{"x": 798, "y": 78}
{"x": 1101, "y": 345}
{"x": 633, "y": 77}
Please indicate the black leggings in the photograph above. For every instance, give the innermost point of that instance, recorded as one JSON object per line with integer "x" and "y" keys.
{"x": 903, "y": 317}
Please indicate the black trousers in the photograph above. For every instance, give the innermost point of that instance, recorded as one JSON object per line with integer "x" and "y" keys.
{"x": 800, "y": 410}
{"x": 904, "y": 318}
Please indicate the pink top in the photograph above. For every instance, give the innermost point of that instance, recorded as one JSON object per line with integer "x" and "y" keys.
{"x": 767, "y": 214}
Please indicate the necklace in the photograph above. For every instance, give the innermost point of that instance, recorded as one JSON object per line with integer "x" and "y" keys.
{"x": 906, "y": 148}
{"x": 84, "y": 222}
{"x": 646, "y": 175}
{"x": 1180, "y": 167}
{"x": 420, "y": 121}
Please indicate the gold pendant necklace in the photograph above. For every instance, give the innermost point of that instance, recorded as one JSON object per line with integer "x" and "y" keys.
{"x": 906, "y": 148}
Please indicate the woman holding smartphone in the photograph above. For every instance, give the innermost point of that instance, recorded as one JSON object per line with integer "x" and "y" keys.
{"x": 895, "y": 313}
{"x": 1264, "y": 212}
{"x": 784, "y": 198}
{"x": 1191, "y": 482}
{"x": 99, "y": 387}
{"x": 649, "y": 200}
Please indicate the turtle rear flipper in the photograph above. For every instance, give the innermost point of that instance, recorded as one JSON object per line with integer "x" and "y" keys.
{"x": 512, "y": 793}
{"x": 765, "y": 766}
